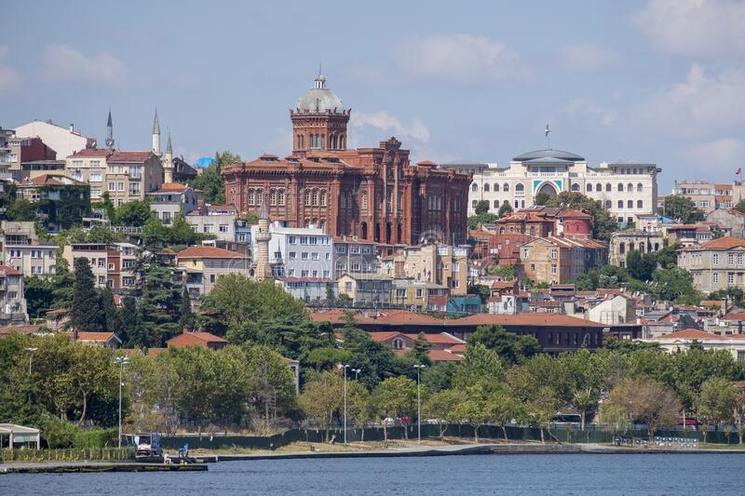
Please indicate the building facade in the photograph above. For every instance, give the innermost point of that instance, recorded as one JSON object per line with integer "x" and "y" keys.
{"x": 434, "y": 263}
{"x": 12, "y": 300}
{"x": 376, "y": 194}
{"x": 710, "y": 196}
{"x": 201, "y": 266}
{"x": 304, "y": 253}
{"x": 173, "y": 199}
{"x": 23, "y": 251}
{"x": 625, "y": 189}
{"x": 731, "y": 219}
{"x": 622, "y": 242}
{"x": 556, "y": 260}
{"x": 63, "y": 140}
{"x": 716, "y": 264}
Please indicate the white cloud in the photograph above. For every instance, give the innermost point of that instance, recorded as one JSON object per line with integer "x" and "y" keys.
{"x": 460, "y": 58}
{"x": 725, "y": 151}
{"x": 9, "y": 77}
{"x": 586, "y": 55}
{"x": 703, "y": 104}
{"x": 597, "y": 113}
{"x": 695, "y": 27}
{"x": 389, "y": 124}
{"x": 63, "y": 63}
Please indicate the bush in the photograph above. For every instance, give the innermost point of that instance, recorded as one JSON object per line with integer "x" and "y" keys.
{"x": 62, "y": 434}
{"x": 96, "y": 438}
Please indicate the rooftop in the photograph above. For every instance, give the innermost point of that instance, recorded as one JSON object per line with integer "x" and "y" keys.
{"x": 549, "y": 153}
{"x": 207, "y": 252}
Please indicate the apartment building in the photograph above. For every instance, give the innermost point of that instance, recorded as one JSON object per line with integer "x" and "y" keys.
{"x": 560, "y": 260}
{"x": 716, "y": 264}
{"x": 710, "y": 196}
{"x": 131, "y": 175}
{"x": 23, "y": 251}
{"x": 354, "y": 256}
{"x": 298, "y": 252}
{"x": 201, "y": 266}
{"x": 172, "y": 199}
{"x": 12, "y": 300}
{"x": 420, "y": 296}
{"x": 366, "y": 289}
{"x": 215, "y": 220}
{"x": 435, "y": 263}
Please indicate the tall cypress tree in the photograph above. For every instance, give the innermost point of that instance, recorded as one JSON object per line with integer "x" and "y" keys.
{"x": 86, "y": 313}
{"x": 186, "y": 319}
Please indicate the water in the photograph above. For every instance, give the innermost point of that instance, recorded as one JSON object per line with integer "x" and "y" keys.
{"x": 463, "y": 475}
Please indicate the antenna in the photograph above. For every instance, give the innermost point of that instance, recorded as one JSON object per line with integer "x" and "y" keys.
{"x": 547, "y": 132}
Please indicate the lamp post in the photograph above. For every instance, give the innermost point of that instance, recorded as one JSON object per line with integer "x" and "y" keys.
{"x": 356, "y": 374}
{"x": 30, "y": 358}
{"x": 418, "y": 368}
{"x": 343, "y": 367}
{"x": 121, "y": 361}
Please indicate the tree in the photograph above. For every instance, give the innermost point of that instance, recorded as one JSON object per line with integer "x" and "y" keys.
{"x": 674, "y": 285}
{"x": 395, "y": 397}
{"x": 509, "y": 346}
{"x": 132, "y": 213}
{"x": 587, "y": 375}
{"x": 641, "y": 400}
{"x": 111, "y": 317}
{"x": 39, "y": 294}
{"x": 211, "y": 182}
{"x": 322, "y": 398}
{"x": 86, "y": 313}
{"x": 186, "y": 316}
{"x": 641, "y": 266}
{"x": 717, "y": 400}
{"x": 480, "y": 366}
{"x": 270, "y": 381}
{"x": 442, "y": 407}
{"x": 504, "y": 210}
{"x": 130, "y": 324}
{"x": 682, "y": 209}
{"x": 504, "y": 407}
{"x": 159, "y": 305}
{"x": 603, "y": 225}
{"x": 482, "y": 207}
{"x": 21, "y": 210}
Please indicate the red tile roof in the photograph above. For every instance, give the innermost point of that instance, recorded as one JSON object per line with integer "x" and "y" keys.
{"x": 172, "y": 188}
{"x": 94, "y": 336}
{"x": 196, "y": 338}
{"x": 92, "y": 152}
{"x": 55, "y": 180}
{"x": 443, "y": 356}
{"x": 130, "y": 157}
{"x": 725, "y": 243}
{"x": 696, "y": 334}
{"x": 8, "y": 271}
{"x": 207, "y": 252}
{"x": 527, "y": 319}
{"x": 21, "y": 329}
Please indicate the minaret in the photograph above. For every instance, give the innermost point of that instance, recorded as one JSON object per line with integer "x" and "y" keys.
{"x": 110, "y": 133}
{"x": 168, "y": 162}
{"x": 263, "y": 270}
{"x": 156, "y": 134}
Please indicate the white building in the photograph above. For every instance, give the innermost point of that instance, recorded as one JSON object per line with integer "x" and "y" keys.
{"x": 172, "y": 199}
{"x": 683, "y": 340}
{"x": 299, "y": 252}
{"x": 626, "y": 189}
{"x": 217, "y": 220}
{"x": 63, "y": 140}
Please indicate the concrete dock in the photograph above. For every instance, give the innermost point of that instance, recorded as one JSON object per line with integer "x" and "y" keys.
{"x": 96, "y": 467}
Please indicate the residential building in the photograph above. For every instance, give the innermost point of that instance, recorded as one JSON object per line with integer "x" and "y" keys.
{"x": 62, "y": 201}
{"x": 310, "y": 290}
{"x": 557, "y": 260}
{"x": 622, "y": 242}
{"x": 201, "y": 266}
{"x": 376, "y": 193}
{"x": 90, "y": 166}
{"x": 432, "y": 262}
{"x": 15, "y": 151}
{"x": 614, "y": 310}
{"x": 215, "y": 220}
{"x": 12, "y": 300}
{"x": 546, "y": 221}
{"x": 35, "y": 168}
{"x": 443, "y": 347}
{"x": 420, "y": 296}
{"x": 714, "y": 265}
{"x": 121, "y": 264}
{"x": 96, "y": 338}
{"x": 173, "y": 199}
{"x": 625, "y": 189}
{"x": 366, "y": 289}
{"x": 24, "y": 252}
{"x": 354, "y": 256}
{"x": 97, "y": 255}
{"x": 685, "y": 339}
{"x": 709, "y": 196}
{"x": 691, "y": 234}
{"x": 131, "y": 175}
{"x": 298, "y": 252}
{"x": 63, "y": 140}
{"x": 730, "y": 219}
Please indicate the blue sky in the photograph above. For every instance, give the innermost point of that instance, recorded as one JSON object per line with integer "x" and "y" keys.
{"x": 658, "y": 80}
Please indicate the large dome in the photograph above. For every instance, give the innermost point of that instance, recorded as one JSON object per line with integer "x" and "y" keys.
{"x": 319, "y": 98}
{"x": 548, "y": 154}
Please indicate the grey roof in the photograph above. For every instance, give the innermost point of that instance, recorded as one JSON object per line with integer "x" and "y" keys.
{"x": 548, "y": 153}
{"x": 548, "y": 160}
{"x": 464, "y": 163}
{"x": 319, "y": 98}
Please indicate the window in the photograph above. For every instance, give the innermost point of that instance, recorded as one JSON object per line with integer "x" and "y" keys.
{"x": 355, "y": 249}
{"x": 363, "y": 200}
{"x": 575, "y": 187}
{"x": 639, "y": 203}
{"x": 620, "y": 187}
{"x": 730, "y": 258}
{"x": 223, "y": 228}
{"x": 608, "y": 187}
{"x": 474, "y": 187}
{"x": 496, "y": 187}
{"x": 519, "y": 188}
{"x": 474, "y": 203}
{"x": 496, "y": 203}
{"x": 630, "y": 204}
{"x": 292, "y": 240}
{"x": 314, "y": 255}
{"x": 486, "y": 188}
{"x": 506, "y": 187}
{"x": 212, "y": 278}
{"x": 589, "y": 187}
{"x": 303, "y": 273}
{"x": 620, "y": 203}
{"x": 303, "y": 240}
{"x": 418, "y": 292}
{"x": 639, "y": 188}
{"x": 730, "y": 279}
{"x": 715, "y": 278}
{"x": 112, "y": 186}
{"x": 120, "y": 186}
{"x": 292, "y": 255}
{"x": 208, "y": 228}
{"x": 251, "y": 197}
{"x": 355, "y": 267}
{"x": 608, "y": 204}
{"x": 304, "y": 255}
{"x": 715, "y": 259}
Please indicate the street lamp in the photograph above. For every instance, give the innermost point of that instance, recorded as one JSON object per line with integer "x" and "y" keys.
{"x": 30, "y": 358}
{"x": 121, "y": 361}
{"x": 356, "y": 374}
{"x": 418, "y": 368}
{"x": 344, "y": 367}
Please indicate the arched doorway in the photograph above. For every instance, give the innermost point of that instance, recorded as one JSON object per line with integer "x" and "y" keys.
{"x": 547, "y": 189}
{"x": 364, "y": 230}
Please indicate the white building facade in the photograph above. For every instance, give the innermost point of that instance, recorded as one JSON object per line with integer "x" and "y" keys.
{"x": 299, "y": 252}
{"x": 626, "y": 189}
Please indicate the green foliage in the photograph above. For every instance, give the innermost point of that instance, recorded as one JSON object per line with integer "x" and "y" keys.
{"x": 732, "y": 294}
{"x": 482, "y": 207}
{"x": 717, "y": 400}
{"x": 179, "y": 233}
{"x": 475, "y": 221}
{"x": 21, "y": 210}
{"x": 480, "y": 367}
{"x": 322, "y": 398}
{"x": 132, "y": 213}
{"x": 86, "y": 313}
{"x": 603, "y": 225}
{"x": 396, "y": 397}
{"x": 641, "y": 266}
{"x": 510, "y": 347}
{"x": 39, "y": 294}
{"x": 607, "y": 276}
{"x": 682, "y": 209}
{"x": 504, "y": 209}
{"x": 480, "y": 289}
{"x": 96, "y": 234}
{"x": 211, "y": 182}
{"x": 158, "y": 309}
{"x": 507, "y": 272}
{"x": 674, "y": 285}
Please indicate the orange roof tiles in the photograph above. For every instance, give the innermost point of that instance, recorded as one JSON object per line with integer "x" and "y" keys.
{"x": 172, "y": 188}
{"x": 8, "y": 271}
{"x": 725, "y": 243}
{"x": 195, "y": 338}
{"x": 207, "y": 252}
{"x": 92, "y": 152}
{"x": 695, "y": 334}
{"x": 94, "y": 336}
{"x": 132, "y": 157}
{"x": 443, "y": 356}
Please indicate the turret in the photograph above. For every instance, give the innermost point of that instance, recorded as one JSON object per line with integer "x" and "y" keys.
{"x": 168, "y": 162}
{"x": 263, "y": 270}
{"x": 156, "y": 134}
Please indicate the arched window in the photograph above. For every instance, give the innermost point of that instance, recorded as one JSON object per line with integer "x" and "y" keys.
{"x": 575, "y": 187}
{"x": 608, "y": 187}
{"x": 363, "y": 200}
{"x": 506, "y": 187}
{"x": 496, "y": 187}
{"x": 589, "y": 187}
{"x": 323, "y": 197}
{"x": 629, "y": 187}
{"x": 639, "y": 188}
{"x": 519, "y": 188}
{"x": 398, "y": 344}
{"x": 473, "y": 203}
{"x": 608, "y": 204}
{"x": 306, "y": 195}
{"x": 486, "y": 187}
{"x": 474, "y": 187}
{"x": 259, "y": 196}
{"x": 620, "y": 203}
{"x": 517, "y": 204}
{"x": 272, "y": 197}
{"x": 598, "y": 187}
{"x": 251, "y": 197}
{"x": 639, "y": 204}
{"x": 314, "y": 197}
{"x": 620, "y": 187}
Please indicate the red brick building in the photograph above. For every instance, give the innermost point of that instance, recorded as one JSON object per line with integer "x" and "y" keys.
{"x": 547, "y": 221}
{"x": 376, "y": 194}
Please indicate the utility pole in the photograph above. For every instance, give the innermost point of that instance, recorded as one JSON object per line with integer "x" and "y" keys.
{"x": 344, "y": 367}
{"x": 121, "y": 361}
{"x": 418, "y": 368}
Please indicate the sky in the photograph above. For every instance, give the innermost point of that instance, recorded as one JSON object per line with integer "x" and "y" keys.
{"x": 659, "y": 81}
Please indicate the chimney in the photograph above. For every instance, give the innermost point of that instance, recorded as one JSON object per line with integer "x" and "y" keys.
{"x": 72, "y": 127}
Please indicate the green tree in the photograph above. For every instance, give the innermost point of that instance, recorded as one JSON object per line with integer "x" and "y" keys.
{"x": 21, "y": 210}
{"x": 158, "y": 307}
{"x": 674, "y": 285}
{"x": 480, "y": 366}
{"x": 504, "y": 210}
{"x": 717, "y": 400}
{"x": 510, "y": 347}
{"x": 111, "y": 318}
{"x": 641, "y": 266}
{"x": 271, "y": 383}
{"x": 132, "y": 213}
{"x": 504, "y": 407}
{"x": 442, "y": 405}
{"x": 482, "y": 207}
{"x": 321, "y": 398}
{"x": 682, "y": 209}
{"x": 211, "y": 182}
{"x": 186, "y": 316}
{"x": 39, "y": 294}
{"x": 395, "y": 397}
{"x": 86, "y": 313}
